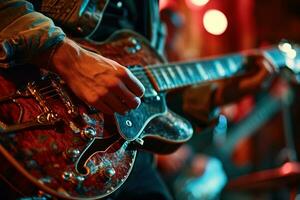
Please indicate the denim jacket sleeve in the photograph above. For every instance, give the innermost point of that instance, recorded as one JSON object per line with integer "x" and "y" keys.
{"x": 24, "y": 33}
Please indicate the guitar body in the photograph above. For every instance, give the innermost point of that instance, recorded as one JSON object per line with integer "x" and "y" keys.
{"x": 52, "y": 142}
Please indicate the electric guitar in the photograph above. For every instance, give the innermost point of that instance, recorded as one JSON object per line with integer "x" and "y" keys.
{"x": 50, "y": 141}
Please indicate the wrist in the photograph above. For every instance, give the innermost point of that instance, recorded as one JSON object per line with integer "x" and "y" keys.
{"x": 64, "y": 55}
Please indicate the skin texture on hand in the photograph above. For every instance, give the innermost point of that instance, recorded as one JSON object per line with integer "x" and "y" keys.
{"x": 98, "y": 81}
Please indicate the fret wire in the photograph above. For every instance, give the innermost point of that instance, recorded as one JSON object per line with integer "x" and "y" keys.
{"x": 172, "y": 75}
{"x": 212, "y": 70}
{"x": 232, "y": 66}
{"x": 179, "y": 81}
{"x": 191, "y": 74}
{"x": 201, "y": 71}
{"x": 197, "y": 76}
{"x": 186, "y": 74}
{"x": 166, "y": 77}
{"x": 181, "y": 74}
{"x": 226, "y": 67}
{"x": 220, "y": 69}
{"x": 157, "y": 76}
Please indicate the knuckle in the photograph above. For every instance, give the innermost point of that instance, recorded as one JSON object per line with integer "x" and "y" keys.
{"x": 114, "y": 83}
{"x": 92, "y": 99}
{"x": 103, "y": 93}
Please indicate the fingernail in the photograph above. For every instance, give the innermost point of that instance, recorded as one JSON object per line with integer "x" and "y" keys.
{"x": 138, "y": 100}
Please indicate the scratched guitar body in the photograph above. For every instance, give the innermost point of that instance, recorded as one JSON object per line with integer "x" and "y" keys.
{"x": 52, "y": 142}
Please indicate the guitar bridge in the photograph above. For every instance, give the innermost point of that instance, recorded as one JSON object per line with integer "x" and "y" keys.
{"x": 41, "y": 91}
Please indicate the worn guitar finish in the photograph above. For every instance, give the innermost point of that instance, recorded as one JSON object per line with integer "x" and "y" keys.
{"x": 51, "y": 141}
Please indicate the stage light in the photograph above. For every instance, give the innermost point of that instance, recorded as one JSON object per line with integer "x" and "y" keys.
{"x": 199, "y": 2}
{"x": 215, "y": 22}
{"x": 196, "y": 4}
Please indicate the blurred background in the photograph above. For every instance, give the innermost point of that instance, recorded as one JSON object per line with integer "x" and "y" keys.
{"x": 262, "y": 162}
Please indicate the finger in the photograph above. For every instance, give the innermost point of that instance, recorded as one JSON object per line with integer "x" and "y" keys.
{"x": 103, "y": 107}
{"x": 116, "y": 104}
{"x": 254, "y": 81}
{"x": 133, "y": 83}
{"x": 126, "y": 96}
{"x": 117, "y": 88}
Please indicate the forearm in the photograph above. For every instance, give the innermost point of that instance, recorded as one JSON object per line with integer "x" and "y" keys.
{"x": 24, "y": 33}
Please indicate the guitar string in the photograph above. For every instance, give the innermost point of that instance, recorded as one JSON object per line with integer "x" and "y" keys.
{"x": 141, "y": 74}
{"x": 231, "y": 57}
{"x": 153, "y": 67}
{"x": 156, "y": 66}
{"x": 49, "y": 91}
{"x": 45, "y": 87}
{"x": 159, "y": 74}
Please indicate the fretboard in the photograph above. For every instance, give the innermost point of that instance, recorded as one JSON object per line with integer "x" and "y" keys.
{"x": 176, "y": 75}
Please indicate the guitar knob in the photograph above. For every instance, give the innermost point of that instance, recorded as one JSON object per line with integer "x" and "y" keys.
{"x": 89, "y": 132}
{"x": 67, "y": 176}
{"x": 109, "y": 172}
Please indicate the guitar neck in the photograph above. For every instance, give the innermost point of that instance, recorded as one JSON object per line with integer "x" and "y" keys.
{"x": 176, "y": 75}
{"x": 169, "y": 76}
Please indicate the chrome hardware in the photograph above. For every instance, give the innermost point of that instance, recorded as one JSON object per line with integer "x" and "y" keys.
{"x": 45, "y": 180}
{"x": 89, "y": 132}
{"x": 136, "y": 46}
{"x": 47, "y": 118}
{"x": 67, "y": 176}
{"x": 80, "y": 178}
{"x": 157, "y": 98}
{"x": 88, "y": 120}
{"x": 74, "y": 128}
{"x": 72, "y": 153}
{"x": 128, "y": 123}
{"x": 109, "y": 172}
{"x": 139, "y": 141}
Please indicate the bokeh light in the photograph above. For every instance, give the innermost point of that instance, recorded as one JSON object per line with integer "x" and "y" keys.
{"x": 215, "y": 22}
{"x": 199, "y": 2}
{"x": 196, "y": 4}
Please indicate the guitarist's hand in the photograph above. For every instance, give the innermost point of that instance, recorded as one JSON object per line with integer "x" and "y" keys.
{"x": 199, "y": 100}
{"x": 259, "y": 71}
{"x": 99, "y": 81}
